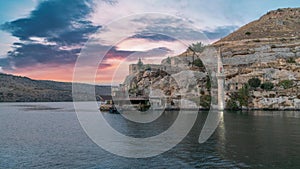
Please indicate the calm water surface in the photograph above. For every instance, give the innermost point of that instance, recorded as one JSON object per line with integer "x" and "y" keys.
{"x": 48, "y": 135}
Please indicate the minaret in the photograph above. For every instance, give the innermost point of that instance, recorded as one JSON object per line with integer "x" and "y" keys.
{"x": 221, "y": 79}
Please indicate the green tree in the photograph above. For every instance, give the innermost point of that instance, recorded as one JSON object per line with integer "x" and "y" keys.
{"x": 197, "y": 47}
{"x": 254, "y": 82}
{"x": 232, "y": 105}
{"x": 243, "y": 95}
{"x": 267, "y": 86}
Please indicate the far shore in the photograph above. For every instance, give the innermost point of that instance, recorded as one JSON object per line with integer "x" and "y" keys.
{"x": 172, "y": 109}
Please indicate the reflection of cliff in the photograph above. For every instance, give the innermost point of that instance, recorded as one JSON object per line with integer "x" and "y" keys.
{"x": 261, "y": 142}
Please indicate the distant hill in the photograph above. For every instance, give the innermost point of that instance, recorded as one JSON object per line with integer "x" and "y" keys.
{"x": 23, "y": 89}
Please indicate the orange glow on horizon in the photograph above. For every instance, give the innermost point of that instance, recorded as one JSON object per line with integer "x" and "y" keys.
{"x": 64, "y": 73}
{"x": 113, "y": 70}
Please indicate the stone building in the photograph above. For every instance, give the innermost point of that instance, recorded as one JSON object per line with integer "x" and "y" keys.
{"x": 140, "y": 66}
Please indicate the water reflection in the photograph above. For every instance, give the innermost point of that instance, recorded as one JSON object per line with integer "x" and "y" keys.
{"x": 261, "y": 138}
{"x": 293, "y": 114}
{"x": 213, "y": 119}
{"x": 97, "y": 128}
{"x": 53, "y": 138}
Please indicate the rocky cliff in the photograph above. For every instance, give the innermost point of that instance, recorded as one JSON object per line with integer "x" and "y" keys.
{"x": 267, "y": 49}
{"x": 189, "y": 81}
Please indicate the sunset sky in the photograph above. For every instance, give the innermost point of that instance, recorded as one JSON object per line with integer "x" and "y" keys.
{"x": 42, "y": 39}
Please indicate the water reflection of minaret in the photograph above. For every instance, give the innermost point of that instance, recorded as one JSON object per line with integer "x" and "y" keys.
{"x": 221, "y": 78}
{"x": 215, "y": 116}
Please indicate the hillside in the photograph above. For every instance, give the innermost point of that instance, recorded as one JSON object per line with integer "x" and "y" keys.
{"x": 266, "y": 50}
{"x": 23, "y": 89}
{"x": 279, "y": 23}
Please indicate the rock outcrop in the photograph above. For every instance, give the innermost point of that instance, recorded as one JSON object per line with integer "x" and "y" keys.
{"x": 175, "y": 78}
{"x": 267, "y": 49}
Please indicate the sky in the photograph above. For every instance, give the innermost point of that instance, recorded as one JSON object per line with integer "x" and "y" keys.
{"x": 43, "y": 39}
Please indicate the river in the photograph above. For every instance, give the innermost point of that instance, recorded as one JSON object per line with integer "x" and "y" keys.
{"x": 48, "y": 135}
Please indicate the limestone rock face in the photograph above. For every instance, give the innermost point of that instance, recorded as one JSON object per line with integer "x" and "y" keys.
{"x": 269, "y": 64}
{"x": 298, "y": 59}
{"x": 267, "y": 49}
{"x": 188, "y": 81}
{"x": 177, "y": 78}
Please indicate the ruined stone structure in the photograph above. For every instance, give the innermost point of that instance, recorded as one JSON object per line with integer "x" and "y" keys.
{"x": 140, "y": 66}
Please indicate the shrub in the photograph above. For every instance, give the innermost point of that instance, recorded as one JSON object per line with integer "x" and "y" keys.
{"x": 286, "y": 84}
{"x": 279, "y": 10}
{"x": 267, "y": 86}
{"x": 248, "y": 33}
{"x": 148, "y": 67}
{"x": 290, "y": 60}
{"x": 198, "y": 63}
{"x": 282, "y": 39}
{"x": 254, "y": 82}
{"x": 232, "y": 105}
{"x": 205, "y": 101}
{"x": 208, "y": 83}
